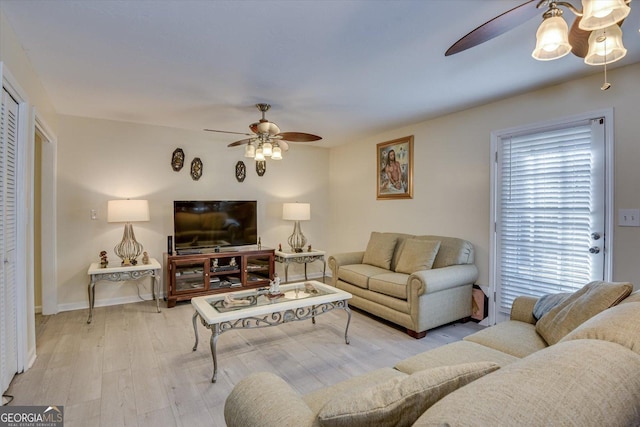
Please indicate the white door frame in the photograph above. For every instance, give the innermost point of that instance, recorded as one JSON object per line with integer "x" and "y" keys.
{"x": 48, "y": 235}
{"x": 607, "y": 113}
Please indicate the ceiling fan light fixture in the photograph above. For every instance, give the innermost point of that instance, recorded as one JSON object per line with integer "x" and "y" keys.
{"x": 250, "y": 151}
{"x": 277, "y": 153}
{"x": 597, "y": 14}
{"x": 552, "y": 39}
{"x": 605, "y": 46}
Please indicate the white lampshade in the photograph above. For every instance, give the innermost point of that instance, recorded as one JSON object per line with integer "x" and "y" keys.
{"x": 605, "y": 46}
{"x": 267, "y": 149}
{"x": 127, "y": 210}
{"x": 250, "y": 151}
{"x": 296, "y": 211}
{"x": 552, "y": 39}
{"x": 259, "y": 154}
{"x": 598, "y": 14}
{"x": 276, "y": 153}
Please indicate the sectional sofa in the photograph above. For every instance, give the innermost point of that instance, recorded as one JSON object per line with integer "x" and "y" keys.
{"x": 418, "y": 282}
{"x": 578, "y": 365}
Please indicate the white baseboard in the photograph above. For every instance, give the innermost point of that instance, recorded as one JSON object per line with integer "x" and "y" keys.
{"x": 105, "y": 302}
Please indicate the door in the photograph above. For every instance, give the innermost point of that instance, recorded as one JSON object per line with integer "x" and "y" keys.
{"x": 8, "y": 240}
{"x": 549, "y": 211}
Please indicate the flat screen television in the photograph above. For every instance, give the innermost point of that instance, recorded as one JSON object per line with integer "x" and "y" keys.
{"x": 200, "y": 225}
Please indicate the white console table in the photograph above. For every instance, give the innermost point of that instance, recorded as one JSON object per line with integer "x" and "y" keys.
{"x": 287, "y": 257}
{"x": 121, "y": 274}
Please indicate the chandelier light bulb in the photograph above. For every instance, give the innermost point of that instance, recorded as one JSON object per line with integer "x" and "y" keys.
{"x": 599, "y": 14}
{"x": 267, "y": 149}
{"x": 250, "y": 151}
{"x": 276, "y": 153}
{"x": 259, "y": 154}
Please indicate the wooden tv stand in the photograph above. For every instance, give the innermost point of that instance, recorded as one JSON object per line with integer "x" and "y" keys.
{"x": 192, "y": 275}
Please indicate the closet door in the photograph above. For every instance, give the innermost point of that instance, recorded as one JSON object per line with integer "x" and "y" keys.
{"x": 8, "y": 240}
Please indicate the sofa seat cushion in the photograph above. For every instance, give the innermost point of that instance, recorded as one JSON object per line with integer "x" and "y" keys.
{"x": 579, "y": 307}
{"x": 359, "y": 274}
{"x": 575, "y": 383}
{"x": 366, "y": 299}
{"x": 417, "y": 255}
{"x": 619, "y": 324}
{"x": 392, "y": 284}
{"x": 380, "y": 249}
{"x": 518, "y": 339}
{"x": 399, "y": 401}
{"x": 453, "y": 354}
{"x": 634, "y": 297}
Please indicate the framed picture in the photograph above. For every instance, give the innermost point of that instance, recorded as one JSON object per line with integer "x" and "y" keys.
{"x": 395, "y": 169}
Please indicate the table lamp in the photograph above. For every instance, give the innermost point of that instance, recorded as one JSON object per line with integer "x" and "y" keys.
{"x": 296, "y": 212}
{"x": 128, "y": 211}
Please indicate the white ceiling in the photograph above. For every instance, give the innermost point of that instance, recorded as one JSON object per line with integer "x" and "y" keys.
{"x": 339, "y": 69}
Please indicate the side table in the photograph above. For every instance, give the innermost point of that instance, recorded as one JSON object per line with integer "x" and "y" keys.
{"x": 121, "y": 274}
{"x": 286, "y": 258}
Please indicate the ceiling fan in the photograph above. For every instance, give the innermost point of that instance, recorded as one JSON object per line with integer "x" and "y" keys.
{"x": 595, "y": 34}
{"x": 266, "y": 139}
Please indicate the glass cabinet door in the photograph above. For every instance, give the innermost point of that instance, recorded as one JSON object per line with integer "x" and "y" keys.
{"x": 190, "y": 275}
{"x": 258, "y": 269}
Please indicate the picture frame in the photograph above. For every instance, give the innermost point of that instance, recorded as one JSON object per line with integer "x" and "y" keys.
{"x": 394, "y": 180}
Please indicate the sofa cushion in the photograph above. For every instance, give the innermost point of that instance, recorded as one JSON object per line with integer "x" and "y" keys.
{"x": 575, "y": 383}
{"x": 392, "y": 284}
{"x": 548, "y": 302}
{"x": 579, "y": 307}
{"x": 400, "y": 401}
{"x": 518, "y": 339}
{"x": 318, "y": 398}
{"x": 619, "y": 324}
{"x": 380, "y": 249}
{"x": 453, "y": 354}
{"x": 634, "y": 297}
{"x": 417, "y": 255}
{"x": 359, "y": 274}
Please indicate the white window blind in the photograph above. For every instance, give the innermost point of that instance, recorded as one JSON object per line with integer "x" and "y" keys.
{"x": 544, "y": 212}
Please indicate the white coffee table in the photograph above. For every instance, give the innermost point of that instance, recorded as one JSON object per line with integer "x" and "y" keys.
{"x": 297, "y": 303}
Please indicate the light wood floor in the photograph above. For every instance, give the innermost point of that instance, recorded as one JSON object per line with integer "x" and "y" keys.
{"x": 134, "y": 367}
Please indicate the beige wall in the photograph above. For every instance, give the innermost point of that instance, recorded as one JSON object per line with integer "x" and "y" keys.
{"x": 452, "y": 170}
{"x": 100, "y": 160}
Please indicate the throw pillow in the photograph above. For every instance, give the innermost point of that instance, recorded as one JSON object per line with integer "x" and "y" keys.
{"x": 400, "y": 401}
{"x": 380, "y": 250}
{"x": 618, "y": 324}
{"x": 417, "y": 255}
{"x": 579, "y": 307}
{"x": 547, "y": 302}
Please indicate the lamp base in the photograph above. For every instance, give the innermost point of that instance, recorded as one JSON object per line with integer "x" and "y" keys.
{"x": 128, "y": 249}
{"x": 297, "y": 240}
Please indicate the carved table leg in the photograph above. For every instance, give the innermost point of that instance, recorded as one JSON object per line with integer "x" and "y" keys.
{"x": 215, "y": 333}
{"x": 92, "y": 298}
{"x": 195, "y": 329}
{"x": 346, "y": 329}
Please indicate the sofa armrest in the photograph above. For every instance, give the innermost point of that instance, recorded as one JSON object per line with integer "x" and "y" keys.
{"x": 345, "y": 258}
{"x": 522, "y": 309}
{"x": 247, "y": 404}
{"x": 438, "y": 279}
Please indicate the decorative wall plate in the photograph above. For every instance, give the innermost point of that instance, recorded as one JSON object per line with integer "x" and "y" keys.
{"x": 196, "y": 168}
{"x": 177, "y": 159}
{"x": 261, "y": 167}
{"x": 241, "y": 171}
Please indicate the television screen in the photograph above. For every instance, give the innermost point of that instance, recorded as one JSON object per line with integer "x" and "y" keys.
{"x": 209, "y": 224}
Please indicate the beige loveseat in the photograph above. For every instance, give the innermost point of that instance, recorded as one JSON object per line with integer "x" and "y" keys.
{"x": 505, "y": 375}
{"x": 418, "y": 282}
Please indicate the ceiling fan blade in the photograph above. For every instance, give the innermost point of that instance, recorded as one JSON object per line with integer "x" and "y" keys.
{"x": 495, "y": 27}
{"x": 579, "y": 39}
{"x": 226, "y": 131}
{"x": 241, "y": 142}
{"x": 299, "y": 137}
